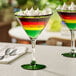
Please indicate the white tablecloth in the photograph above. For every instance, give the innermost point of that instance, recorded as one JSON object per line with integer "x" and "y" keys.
{"x": 57, "y": 65}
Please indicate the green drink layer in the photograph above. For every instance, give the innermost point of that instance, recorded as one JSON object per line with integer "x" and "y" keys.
{"x": 71, "y": 25}
{"x": 33, "y": 33}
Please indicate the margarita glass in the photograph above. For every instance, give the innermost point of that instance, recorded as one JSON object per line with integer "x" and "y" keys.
{"x": 33, "y": 26}
{"x": 69, "y": 17}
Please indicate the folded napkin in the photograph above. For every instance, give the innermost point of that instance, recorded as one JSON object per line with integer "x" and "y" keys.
{"x": 7, "y": 59}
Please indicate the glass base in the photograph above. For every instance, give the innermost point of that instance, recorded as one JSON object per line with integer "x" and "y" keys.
{"x": 33, "y": 67}
{"x": 71, "y": 55}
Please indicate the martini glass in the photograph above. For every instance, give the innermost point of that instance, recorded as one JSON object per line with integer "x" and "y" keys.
{"x": 33, "y": 26}
{"x": 69, "y": 17}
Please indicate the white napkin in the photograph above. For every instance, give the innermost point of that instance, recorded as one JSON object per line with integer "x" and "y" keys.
{"x": 7, "y": 59}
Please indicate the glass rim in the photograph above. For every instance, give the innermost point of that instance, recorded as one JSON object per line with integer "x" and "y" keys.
{"x": 64, "y": 11}
{"x": 36, "y": 15}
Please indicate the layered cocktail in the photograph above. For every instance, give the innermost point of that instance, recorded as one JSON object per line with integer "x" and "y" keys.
{"x": 33, "y": 26}
{"x": 33, "y": 22}
{"x": 68, "y": 15}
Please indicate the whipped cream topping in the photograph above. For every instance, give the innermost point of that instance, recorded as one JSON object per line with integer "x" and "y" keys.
{"x": 20, "y": 12}
{"x": 64, "y": 7}
{"x": 59, "y": 7}
{"x": 24, "y": 12}
{"x": 72, "y": 6}
{"x": 37, "y": 12}
{"x": 33, "y": 12}
{"x": 48, "y": 10}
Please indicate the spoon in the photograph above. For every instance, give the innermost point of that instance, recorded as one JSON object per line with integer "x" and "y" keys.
{"x": 13, "y": 52}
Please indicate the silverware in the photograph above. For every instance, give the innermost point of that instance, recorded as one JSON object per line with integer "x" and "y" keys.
{"x": 8, "y": 52}
{"x": 13, "y": 52}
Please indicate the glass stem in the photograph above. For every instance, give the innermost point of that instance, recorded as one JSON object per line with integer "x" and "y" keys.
{"x": 72, "y": 41}
{"x": 33, "y": 42}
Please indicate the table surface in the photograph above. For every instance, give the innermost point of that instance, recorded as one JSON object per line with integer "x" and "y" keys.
{"x": 19, "y": 33}
{"x": 57, "y": 65}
